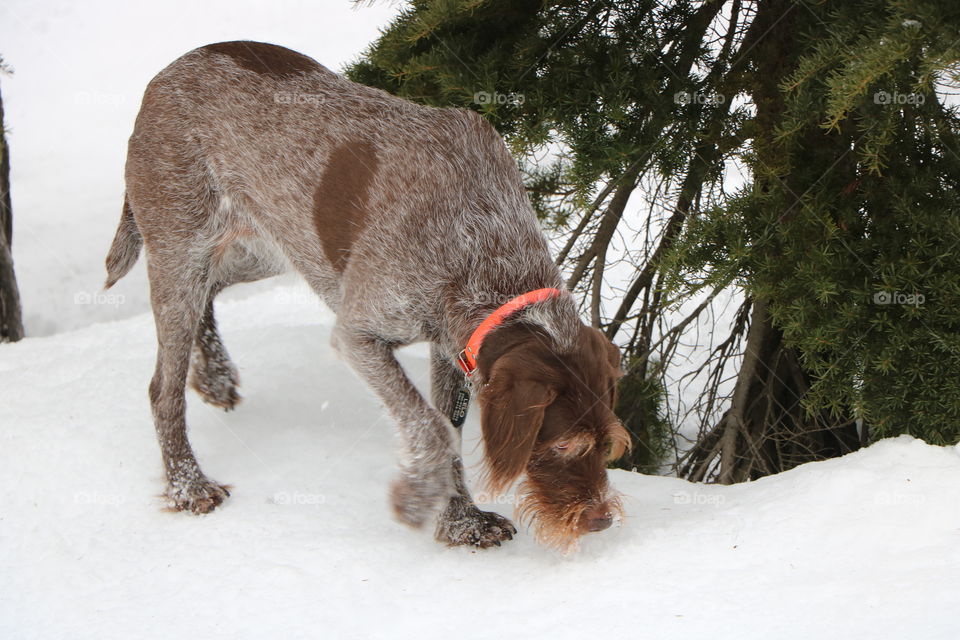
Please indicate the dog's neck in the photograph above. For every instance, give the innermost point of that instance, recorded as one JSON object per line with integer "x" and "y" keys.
{"x": 499, "y": 268}
{"x": 556, "y": 317}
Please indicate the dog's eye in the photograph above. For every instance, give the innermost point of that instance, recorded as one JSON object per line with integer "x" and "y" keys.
{"x": 610, "y": 450}
{"x": 563, "y": 445}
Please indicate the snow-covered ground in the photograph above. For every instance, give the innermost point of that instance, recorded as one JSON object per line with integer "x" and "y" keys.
{"x": 866, "y": 546}
{"x": 863, "y": 546}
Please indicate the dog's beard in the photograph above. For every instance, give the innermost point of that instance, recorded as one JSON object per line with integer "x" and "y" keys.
{"x": 556, "y": 524}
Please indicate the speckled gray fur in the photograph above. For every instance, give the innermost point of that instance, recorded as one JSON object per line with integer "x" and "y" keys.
{"x": 222, "y": 171}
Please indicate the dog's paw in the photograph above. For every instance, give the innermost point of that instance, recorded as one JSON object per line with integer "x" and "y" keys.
{"x": 197, "y": 496}
{"x": 216, "y": 381}
{"x": 462, "y": 523}
{"x": 416, "y": 497}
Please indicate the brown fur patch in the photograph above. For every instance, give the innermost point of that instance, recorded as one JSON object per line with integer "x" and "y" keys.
{"x": 340, "y": 202}
{"x": 619, "y": 440}
{"x": 265, "y": 59}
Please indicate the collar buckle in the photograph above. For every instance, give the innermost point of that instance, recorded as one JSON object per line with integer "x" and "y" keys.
{"x": 467, "y": 362}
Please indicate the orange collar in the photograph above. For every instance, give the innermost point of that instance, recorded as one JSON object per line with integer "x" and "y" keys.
{"x": 468, "y": 357}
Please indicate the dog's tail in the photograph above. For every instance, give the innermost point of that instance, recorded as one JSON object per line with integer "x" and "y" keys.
{"x": 125, "y": 248}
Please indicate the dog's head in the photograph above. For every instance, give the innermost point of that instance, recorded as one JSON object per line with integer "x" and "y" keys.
{"x": 550, "y": 415}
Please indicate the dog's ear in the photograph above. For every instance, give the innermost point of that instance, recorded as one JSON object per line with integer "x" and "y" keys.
{"x": 613, "y": 354}
{"x": 512, "y": 406}
{"x": 607, "y": 376}
{"x": 618, "y": 442}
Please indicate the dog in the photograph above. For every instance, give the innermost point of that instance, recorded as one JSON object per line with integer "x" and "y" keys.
{"x": 412, "y": 223}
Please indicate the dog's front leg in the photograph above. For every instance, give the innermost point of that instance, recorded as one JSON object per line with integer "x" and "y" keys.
{"x": 426, "y": 479}
{"x": 461, "y": 522}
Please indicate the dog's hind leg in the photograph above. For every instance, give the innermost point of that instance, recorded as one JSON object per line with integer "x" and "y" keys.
{"x": 212, "y": 374}
{"x": 174, "y": 205}
{"x": 179, "y": 292}
{"x": 461, "y": 522}
{"x": 239, "y": 256}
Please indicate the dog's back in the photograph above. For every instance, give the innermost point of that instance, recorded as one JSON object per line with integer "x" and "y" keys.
{"x": 276, "y": 157}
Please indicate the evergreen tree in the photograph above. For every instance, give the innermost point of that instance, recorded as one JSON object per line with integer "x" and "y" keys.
{"x": 842, "y": 242}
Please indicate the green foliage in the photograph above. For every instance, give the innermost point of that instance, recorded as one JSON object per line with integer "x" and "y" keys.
{"x": 852, "y": 224}
{"x": 640, "y": 406}
{"x": 599, "y": 79}
{"x": 832, "y": 108}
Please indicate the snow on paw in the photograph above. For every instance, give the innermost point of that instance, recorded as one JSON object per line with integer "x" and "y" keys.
{"x": 217, "y": 384}
{"x": 197, "y": 496}
{"x": 463, "y": 524}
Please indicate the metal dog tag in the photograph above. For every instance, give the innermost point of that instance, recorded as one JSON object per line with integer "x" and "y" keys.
{"x": 459, "y": 413}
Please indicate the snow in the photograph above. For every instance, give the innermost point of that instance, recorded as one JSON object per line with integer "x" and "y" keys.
{"x": 861, "y": 546}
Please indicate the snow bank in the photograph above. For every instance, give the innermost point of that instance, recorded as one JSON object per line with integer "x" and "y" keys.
{"x": 863, "y": 546}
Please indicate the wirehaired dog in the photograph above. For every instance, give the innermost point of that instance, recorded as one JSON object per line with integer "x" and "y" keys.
{"x": 412, "y": 224}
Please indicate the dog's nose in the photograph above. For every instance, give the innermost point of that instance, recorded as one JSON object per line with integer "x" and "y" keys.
{"x": 599, "y": 524}
{"x": 598, "y": 518}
